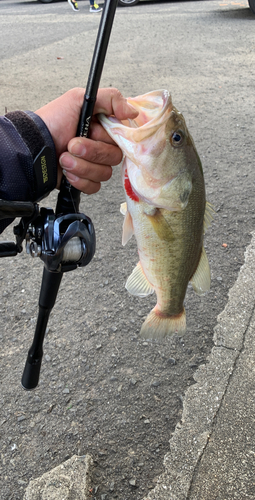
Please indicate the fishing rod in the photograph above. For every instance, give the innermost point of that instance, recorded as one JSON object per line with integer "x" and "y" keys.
{"x": 64, "y": 240}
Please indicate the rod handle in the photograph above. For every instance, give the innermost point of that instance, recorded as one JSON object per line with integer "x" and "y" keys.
{"x": 31, "y": 374}
{"x": 48, "y": 294}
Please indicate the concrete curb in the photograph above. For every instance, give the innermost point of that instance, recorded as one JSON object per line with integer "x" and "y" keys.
{"x": 203, "y": 400}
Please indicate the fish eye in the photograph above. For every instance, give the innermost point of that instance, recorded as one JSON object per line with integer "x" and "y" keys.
{"x": 176, "y": 138}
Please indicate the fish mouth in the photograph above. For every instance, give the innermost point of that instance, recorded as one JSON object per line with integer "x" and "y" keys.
{"x": 151, "y": 106}
{"x": 154, "y": 109}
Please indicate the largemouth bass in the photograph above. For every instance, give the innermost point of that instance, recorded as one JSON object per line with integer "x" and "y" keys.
{"x": 165, "y": 208}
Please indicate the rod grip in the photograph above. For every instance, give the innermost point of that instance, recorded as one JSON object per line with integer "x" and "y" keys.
{"x": 31, "y": 374}
{"x": 48, "y": 295}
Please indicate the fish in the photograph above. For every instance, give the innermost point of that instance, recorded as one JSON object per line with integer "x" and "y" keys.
{"x": 165, "y": 208}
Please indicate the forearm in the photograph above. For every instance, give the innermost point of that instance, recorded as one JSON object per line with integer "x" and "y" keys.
{"x": 28, "y": 165}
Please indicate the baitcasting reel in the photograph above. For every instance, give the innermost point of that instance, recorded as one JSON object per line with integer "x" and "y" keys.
{"x": 63, "y": 242}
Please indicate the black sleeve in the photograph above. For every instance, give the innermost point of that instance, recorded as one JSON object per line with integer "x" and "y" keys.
{"x": 28, "y": 164}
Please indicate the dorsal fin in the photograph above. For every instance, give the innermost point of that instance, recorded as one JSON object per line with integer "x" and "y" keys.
{"x": 201, "y": 279}
{"x": 208, "y": 215}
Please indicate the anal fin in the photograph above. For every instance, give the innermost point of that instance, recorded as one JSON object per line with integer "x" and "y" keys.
{"x": 137, "y": 283}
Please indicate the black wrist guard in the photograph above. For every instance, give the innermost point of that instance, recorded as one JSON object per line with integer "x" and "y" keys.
{"x": 44, "y": 158}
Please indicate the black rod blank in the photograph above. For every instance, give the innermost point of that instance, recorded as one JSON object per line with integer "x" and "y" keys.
{"x": 96, "y": 67}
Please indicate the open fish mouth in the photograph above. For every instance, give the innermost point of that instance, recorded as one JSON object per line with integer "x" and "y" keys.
{"x": 154, "y": 110}
{"x": 151, "y": 106}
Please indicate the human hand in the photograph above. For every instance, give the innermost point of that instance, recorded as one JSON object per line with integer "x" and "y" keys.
{"x": 86, "y": 162}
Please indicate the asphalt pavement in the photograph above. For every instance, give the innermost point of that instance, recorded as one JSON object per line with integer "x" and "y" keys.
{"x": 102, "y": 390}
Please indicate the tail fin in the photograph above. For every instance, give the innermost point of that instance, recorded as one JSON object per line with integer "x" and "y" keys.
{"x": 158, "y": 326}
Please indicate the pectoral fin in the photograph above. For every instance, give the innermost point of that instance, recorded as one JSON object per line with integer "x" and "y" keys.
{"x": 201, "y": 279}
{"x": 161, "y": 226}
{"x": 137, "y": 283}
